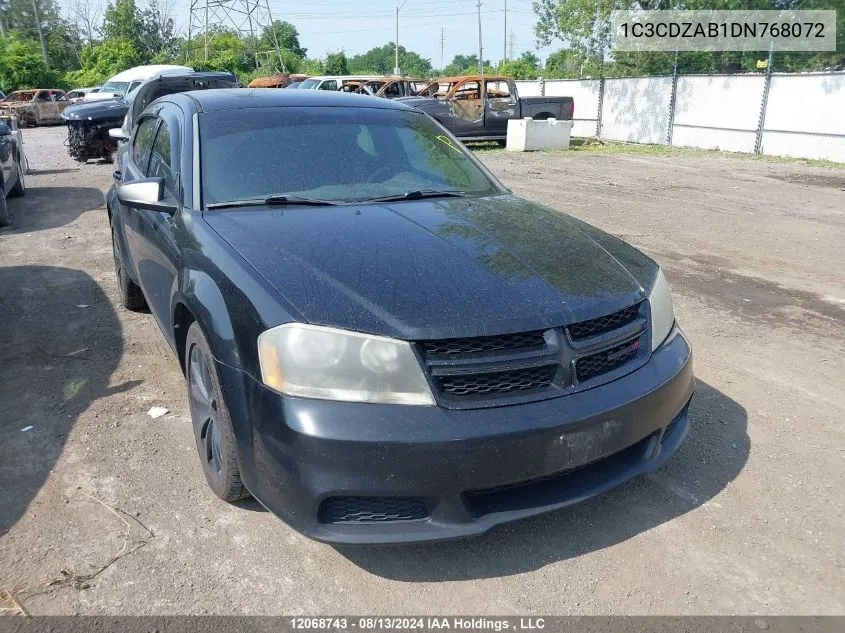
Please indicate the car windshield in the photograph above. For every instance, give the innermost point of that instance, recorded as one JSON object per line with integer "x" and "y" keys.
{"x": 117, "y": 88}
{"x": 309, "y": 84}
{"x": 329, "y": 153}
{"x": 21, "y": 95}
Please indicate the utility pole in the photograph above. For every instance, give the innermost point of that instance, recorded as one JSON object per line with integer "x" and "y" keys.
{"x": 505, "y": 51}
{"x": 480, "y": 48}
{"x": 396, "y": 70}
{"x": 442, "y": 44}
{"x": 40, "y": 34}
{"x": 512, "y": 47}
{"x": 205, "y": 30}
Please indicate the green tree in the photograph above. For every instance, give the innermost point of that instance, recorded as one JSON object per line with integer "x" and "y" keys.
{"x": 527, "y": 66}
{"x": 381, "y": 60}
{"x": 337, "y": 64}
{"x": 287, "y": 37}
{"x": 22, "y": 65}
{"x": 62, "y": 45}
{"x": 464, "y": 65}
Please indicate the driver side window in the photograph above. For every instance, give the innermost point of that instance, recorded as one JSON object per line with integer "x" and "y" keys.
{"x": 143, "y": 143}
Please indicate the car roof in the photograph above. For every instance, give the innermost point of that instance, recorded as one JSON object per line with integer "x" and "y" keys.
{"x": 146, "y": 72}
{"x": 240, "y": 98}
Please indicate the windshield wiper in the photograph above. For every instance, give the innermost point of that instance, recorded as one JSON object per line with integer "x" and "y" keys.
{"x": 273, "y": 201}
{"x": 416, "y": 195}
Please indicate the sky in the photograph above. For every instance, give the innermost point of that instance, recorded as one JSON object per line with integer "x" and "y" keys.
{"x": 327, "y": 26}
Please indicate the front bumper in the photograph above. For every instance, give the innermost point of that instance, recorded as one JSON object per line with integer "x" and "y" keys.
{"x": 469, "y": 470}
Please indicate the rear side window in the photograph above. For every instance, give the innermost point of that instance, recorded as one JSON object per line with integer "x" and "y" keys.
{"x": 329, "y": 85}
{"x": 143, "y": 143}
{"x": 160, "y": 158}
{"x": 498, "y": 90}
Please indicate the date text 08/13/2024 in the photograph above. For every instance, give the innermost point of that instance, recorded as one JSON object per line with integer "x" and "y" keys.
{"x": 458, "y": 623}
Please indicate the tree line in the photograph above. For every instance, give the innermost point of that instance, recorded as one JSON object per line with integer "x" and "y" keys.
{"x": 92, "y": 42}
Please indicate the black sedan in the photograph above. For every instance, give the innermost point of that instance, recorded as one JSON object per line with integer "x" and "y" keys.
{"x": 382, "y": 343}
{"x": 12, "y": 168}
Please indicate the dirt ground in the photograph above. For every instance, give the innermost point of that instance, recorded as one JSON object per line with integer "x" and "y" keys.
{"x": 743, "y": 520}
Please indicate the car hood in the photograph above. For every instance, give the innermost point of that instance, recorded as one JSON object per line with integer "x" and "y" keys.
{"x": 96, "y": 111}
{"x": 435, "y": 268}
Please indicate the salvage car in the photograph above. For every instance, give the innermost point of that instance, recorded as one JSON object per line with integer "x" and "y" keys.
{"x": 478, "y": 108}
{"x": 335, "y": 82}
{"x": 381, "y": 343}
{"x": 78, "y": 94}
{"x": 89, "y": 124}
{"x": 279, "y": 80}
{"x": 35, "y": 107}
{"x": 12, "y": 166}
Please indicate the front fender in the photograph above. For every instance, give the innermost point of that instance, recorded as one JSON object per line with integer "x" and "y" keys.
{"x": 200, "y": 294}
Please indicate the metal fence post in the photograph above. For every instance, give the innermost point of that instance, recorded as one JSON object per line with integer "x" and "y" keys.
{"x": 542, "y": 83}
{"x": 758, "y": 142}
{"x": 672, "y": 102}
{"x": 601, "y": 107}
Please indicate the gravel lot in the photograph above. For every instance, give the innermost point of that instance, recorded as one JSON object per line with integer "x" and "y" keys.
{"x": 744, "y": 519}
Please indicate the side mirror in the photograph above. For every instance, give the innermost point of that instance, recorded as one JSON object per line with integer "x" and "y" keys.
{"x": 146, "y": 193}
{"x": 118, "y": 134}
{"x": 5, "y": 130}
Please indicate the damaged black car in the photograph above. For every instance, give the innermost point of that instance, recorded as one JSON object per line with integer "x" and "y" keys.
{"x": 89, "y": 123}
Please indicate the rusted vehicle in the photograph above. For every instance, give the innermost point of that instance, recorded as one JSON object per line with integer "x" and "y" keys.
{"x": 388, "y": 87}
{"x": 395, "y": 87}
{"x": 279, "y": 80}
{"x": 478, "y": 108}
{"x": 36, "y": 107}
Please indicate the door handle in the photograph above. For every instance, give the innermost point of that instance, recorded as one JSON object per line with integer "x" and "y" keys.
{"x": 117, "y": 174}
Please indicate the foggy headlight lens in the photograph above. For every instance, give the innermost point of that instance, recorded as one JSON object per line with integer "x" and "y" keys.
{"x": 662, "y": 313}
{"x": 313, "y": 361}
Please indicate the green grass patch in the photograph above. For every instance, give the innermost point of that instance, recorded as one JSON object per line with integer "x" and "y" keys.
{"x": 595, "y": 146}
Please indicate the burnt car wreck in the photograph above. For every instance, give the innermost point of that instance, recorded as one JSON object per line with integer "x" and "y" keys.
{"x": 89, "y": 123}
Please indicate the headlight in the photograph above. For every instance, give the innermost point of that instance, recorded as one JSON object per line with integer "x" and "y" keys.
{"x": 662, "y": 313}
{"x": 312, "y": 361}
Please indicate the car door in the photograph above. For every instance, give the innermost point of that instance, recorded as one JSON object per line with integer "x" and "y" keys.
{"x": 154, "y": 242}
{"x": 499, "y": 107}
{"x": 466, "y": 108}
{"x": 130, "y": 227}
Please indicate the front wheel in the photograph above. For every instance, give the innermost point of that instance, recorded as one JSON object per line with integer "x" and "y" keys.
{"x": 211, "y": 421}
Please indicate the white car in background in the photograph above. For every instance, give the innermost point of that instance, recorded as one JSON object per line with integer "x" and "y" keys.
{"x": 125, "y": 82}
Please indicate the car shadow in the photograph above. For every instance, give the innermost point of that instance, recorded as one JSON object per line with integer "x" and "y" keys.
{"x": 61, "y": 341}
{"x": 38, "y": 211}
{"x": 713, "y": 454}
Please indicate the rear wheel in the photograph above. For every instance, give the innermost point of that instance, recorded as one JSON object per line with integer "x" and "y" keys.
{"x": 131, "y": 296}
{"x": 210, "y": 417}
{"x": 20, "y": 186}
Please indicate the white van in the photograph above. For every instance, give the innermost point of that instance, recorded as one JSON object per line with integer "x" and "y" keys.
{"x": 333, "y": 82}
{"x": 128, "y": 80}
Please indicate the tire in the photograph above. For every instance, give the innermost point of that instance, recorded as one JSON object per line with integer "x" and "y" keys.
{"x": 131, "y": 295}
{"x": 211, "y": 421}
{"x": 19, "y": 189}
{"x": 5, "y": 220}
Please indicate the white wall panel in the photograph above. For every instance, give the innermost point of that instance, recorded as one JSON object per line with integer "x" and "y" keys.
{"x": 636, "y": 109}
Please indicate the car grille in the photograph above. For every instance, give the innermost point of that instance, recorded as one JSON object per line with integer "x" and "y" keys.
{"x": 593, "y": 327}
{"x": 522, "y": 340}
{"x": 498, "y": 382}
{"x": 605, "y": 360}
{"x": 371, "y": 509}
{"x": 502, "y": 369}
